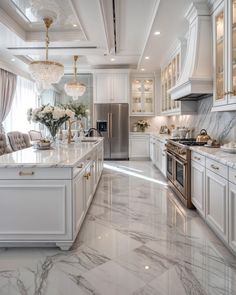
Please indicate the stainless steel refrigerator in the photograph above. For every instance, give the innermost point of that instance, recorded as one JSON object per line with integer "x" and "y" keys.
{"x": 112, "y": 121}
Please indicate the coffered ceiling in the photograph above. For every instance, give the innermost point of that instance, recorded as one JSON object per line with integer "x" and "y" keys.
{"x": 105, "y": 33}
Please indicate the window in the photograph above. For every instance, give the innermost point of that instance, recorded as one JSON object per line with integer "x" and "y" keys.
{"x": 25, "y": 98}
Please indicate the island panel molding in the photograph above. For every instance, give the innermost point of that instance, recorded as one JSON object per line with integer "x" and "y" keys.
{"x": 45, "y": 199}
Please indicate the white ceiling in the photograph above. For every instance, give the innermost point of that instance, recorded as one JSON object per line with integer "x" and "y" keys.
{"x": 86, "y": 28}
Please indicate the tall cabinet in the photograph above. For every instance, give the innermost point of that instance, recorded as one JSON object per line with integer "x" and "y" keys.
{"x": 224, "y": 36}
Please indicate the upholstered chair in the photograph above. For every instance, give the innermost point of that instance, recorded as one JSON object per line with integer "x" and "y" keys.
{"x": 4, "y": 148}
{"x": 35, "y": 135}
{"x": 18, "y": 140}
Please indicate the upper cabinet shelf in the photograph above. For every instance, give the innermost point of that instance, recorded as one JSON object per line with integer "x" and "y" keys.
{"x": 142, "y": 97}
{"x": 224, "y": 36}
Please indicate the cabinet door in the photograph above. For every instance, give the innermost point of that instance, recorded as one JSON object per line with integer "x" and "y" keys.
{"x": 157, "y": 154}
{"x": 120, "y": 88}
{"x": 217, "y": 203}
{"x": 88, "y": 179}
{"x": 198, "y": 187}
{"x": 163, "y": 159}
{"x": 139, "y": 147}
{"x": 231, "y": 8}
{"x": 152, "y": 150}
{"x": 35, "y": 210}
{"x": 232, "y": 216}
{"x": 102, "y": 88}
{"x": 79, "y": 202}
{"x": 219, "y": 37}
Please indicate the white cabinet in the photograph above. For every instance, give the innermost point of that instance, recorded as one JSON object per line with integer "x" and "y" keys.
{"x": 198, "y": 186}
{"x": 232, "y": 216}
{"x": 139, "y": 146}
{"x": 111, "y": 87}
{"x": 224, "y": 36}
{"x": 158, "y": 153}
{"x": 217, "y": 203}
{"x": 79, "y": 202}
{"x": 142, "y": 97}
{"x": 35, "y": 210}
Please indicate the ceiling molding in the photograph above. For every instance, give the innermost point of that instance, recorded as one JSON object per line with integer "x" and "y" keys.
{"x": 12, "y": 25}
{"x": 107, "y": 23}
{"x": 78, "y": 20}
{"x": 149, "y": 31}
{"x": 117, "y": 11}
{"x": 15, "y": 70}
{"x": 55, "y": 36}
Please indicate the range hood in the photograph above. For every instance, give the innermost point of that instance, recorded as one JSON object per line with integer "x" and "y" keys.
{"x": 196, "y": 79}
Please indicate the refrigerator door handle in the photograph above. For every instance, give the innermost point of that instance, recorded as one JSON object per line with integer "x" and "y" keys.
{"x": 110, "y": 125}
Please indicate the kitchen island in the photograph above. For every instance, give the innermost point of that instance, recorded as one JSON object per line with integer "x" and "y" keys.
{"x": 45, "y": 194}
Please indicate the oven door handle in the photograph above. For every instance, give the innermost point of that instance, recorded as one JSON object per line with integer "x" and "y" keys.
{"x": 180, "y": 161}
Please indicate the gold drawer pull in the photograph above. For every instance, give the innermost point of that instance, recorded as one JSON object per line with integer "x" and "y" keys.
{"x": 22, "y": 173}
{"x": 196, "y": 158}
{"x": 215, "y": 167}
{"x": 87, "y": 176}
{"x": 80, "y": 165}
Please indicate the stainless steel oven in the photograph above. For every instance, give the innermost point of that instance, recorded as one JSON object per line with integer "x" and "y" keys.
{"x": 178, "y": 171}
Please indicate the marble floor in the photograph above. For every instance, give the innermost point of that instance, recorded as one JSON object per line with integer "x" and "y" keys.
{"x": 137, "y": 239}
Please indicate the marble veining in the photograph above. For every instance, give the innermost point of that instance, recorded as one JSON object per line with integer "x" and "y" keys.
{"x": 60, "y": 155}
{"x": 137, "y": 239}
{"x": 217, "y": 154}
{"x": 219, "y": 125}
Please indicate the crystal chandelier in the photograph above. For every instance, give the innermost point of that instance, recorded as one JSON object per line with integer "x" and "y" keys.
{"x": 74, "y": 88}
{"x": 45, "y": 72}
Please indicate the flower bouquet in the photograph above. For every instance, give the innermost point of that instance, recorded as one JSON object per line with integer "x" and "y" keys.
{"x": 50, "y": 116}
{"x": 142, "y": 125}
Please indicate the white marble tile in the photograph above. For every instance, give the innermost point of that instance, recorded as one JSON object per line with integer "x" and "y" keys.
{"x": 110, "y": 278}
{"x": 106, "y": 240}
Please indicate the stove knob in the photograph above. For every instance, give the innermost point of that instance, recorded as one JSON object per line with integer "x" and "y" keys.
{"x": 182, "y": 152}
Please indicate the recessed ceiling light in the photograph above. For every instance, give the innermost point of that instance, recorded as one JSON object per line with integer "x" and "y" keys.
{"x": 74, "y": 25}
{"x": 147, "y": 57}
{"x": 157, "y": 33}
{"x": 147, "y": 267}
{"x": 12, "y": 59}
{"x": 142, "y": 69}
{"x": 112, "y": 59}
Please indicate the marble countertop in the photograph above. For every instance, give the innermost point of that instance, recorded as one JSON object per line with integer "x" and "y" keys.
{"x": 216, "y": 154}
{"x": 60, "y": 155}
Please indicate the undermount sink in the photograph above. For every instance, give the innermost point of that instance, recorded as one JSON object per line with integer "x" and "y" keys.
{"x": 89, "y": 140}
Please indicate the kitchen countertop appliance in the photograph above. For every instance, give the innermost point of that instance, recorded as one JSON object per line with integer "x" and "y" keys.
{"x": 179, "y": 167}
{"x": 203, "y": 136}
{"x": 112, "y": 121}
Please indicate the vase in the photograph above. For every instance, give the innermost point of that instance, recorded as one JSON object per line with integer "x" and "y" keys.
{"x": 53, "y": 132}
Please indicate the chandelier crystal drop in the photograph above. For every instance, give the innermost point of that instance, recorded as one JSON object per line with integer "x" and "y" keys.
{"x": 45, "y": 72}
{"x": 74, "y": 88}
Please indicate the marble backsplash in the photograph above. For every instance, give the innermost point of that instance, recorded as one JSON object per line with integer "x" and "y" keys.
{"x": 219, "y": 125}
{"x": 155, "y": 123}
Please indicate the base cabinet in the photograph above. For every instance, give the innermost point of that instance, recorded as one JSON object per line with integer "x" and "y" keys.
{"x": 232, "y": 216}
{"x": 139, "y": 146}
{"x": 46, "y": 210}
{"x": 158, "y": 154}
{"x": 217, "y": 203}
{"x": 198, "y": 187}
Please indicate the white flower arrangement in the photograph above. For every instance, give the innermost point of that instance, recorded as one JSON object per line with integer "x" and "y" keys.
{"x": 50, "y": 116}
{"x": 142, "y": 124}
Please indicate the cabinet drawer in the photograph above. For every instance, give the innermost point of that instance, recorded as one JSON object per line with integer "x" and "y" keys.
{"x": 217, "y": 167}
{"x": 35, "y": 173}
{"x": 232, "y": 175}
{"x": 200, "y": 159}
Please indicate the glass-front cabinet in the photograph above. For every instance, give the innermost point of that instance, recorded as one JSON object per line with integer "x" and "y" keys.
{"x": 169, "y": 77}
{"x": 142, "y": 97}
{"x": 224, "y": 34}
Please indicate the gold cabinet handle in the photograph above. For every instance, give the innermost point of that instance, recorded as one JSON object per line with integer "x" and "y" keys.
{"x": 196, "y": 158}
{"x": 86, "y": 176}
{"x": 30, "y": 173}
{"x": 80, "y": 165}
{"x": 215, "y": 167}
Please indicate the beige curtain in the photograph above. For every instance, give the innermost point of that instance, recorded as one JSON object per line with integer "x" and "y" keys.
{"x": 7, "y": 92}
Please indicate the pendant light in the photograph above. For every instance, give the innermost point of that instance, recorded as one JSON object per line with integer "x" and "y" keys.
{"x": 45, "y": 72}
{"x": 74, "y": 88}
